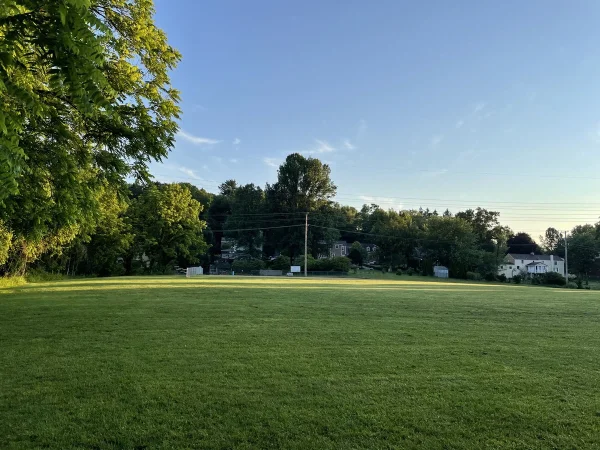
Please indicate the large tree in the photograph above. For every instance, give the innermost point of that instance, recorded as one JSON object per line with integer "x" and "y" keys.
{"x": 168, "y": 230}
{"x": 303, "y": 185}
{"x": 246, "y": 218}
{"x": 85, "y": 100}
{"x": 522, "y": 243}
{"x": 450, "y": 241}
{"x": 583, "y": 250}
{"x": 553, "y": 242}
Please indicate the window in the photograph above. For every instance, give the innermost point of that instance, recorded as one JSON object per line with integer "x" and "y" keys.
{"x": 337, "y": 246}
{"x": 502, "y": 267}
{"x": 522, "y": 261}
{"x": 343, "y": 250}
{"x": 368, "y": 249}
{"x": 556, "y": 263}
{"x": 518, "y": 267}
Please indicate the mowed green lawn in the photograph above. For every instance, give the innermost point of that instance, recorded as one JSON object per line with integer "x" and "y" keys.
{"x": 231, "y": 362}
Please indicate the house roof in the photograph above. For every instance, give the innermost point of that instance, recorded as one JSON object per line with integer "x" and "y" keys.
{"x": 536, "y": 263}
{"x": 530, "y": 257}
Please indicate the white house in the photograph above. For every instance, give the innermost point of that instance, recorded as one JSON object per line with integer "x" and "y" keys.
{"x": 522, "y": 264}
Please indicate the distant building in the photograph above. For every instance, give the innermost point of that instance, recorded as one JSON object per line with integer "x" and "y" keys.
{"x": 342, "y": 248}
{"x": 440, "y": 271}
{"x": 530, "y": 264}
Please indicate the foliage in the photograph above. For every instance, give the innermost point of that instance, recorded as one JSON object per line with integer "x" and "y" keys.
{"x": 247, "y": 265}
{"x": 553, "y": 243}
{"x": 488, "y": 276}
{"x": 5, "y": 242}
{"x": 450, "y": 241}
{"x": 357, "y": 253}
{"x": 167, "y": 226}
{"x": 303, "y": 185}
{"x": 584, "y": 249}
{"x": 85, "y": 101}
{"x": 95, "y": 68}
{"x": 517, "y": 279}
{"x": 502, "y": 278}
{"x": 473, "y": 276}
{"x": 552, "y": 279}
{"x": 571, "y": 285}
{"x": 247, "y": 205}
{"x": 281, "y": 263}
{"x": 522, "y": 243}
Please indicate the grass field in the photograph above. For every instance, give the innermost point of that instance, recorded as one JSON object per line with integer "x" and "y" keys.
{"x": 231, "y": 362}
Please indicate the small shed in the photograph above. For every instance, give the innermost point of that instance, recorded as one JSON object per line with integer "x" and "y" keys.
{"x": 440, "y": 271}
{"x": 191, "y": 271}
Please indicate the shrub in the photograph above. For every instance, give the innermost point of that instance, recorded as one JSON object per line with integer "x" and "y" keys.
{"x": 489, "y": 277}
{"x": 502, "y": 278}
{"x": 517, "y": 279}
{"x": 398, "y": 272}
{"x": 248, "y": 265}
{"x": 339, "y": 264}
{"x": 579, "y": 284}
{"x": 572, "y": 285}
{"x": 552, "y": 279}
{"x": 473, "y": 276}
{"x": 536, "y": 280}
{"x": 410, "y": 271}
{"x": 281, "y": 263}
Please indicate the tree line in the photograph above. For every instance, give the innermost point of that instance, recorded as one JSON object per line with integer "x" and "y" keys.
{"x": 153, "y": 227}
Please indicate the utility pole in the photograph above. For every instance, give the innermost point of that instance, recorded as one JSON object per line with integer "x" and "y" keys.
{"x": 306, "y": 246}
{"x": 566, "y": 259}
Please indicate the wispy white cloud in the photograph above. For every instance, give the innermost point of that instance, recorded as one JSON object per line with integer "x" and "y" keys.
{"x": 217, "y": 159}
{"x": 478, "y": 107}
{"x": 348, "y": 145}
{"x": 436, "y": 140}
{"x": 197, "y": 140}
{"x": 460, "y": 123}
{"x": 322, "y": 147}
{"x": 205, "y": 167}
{"x": 272, "y": 162}
{"x": 237, "y": 141}
{"x": 233, "y": 160}
{"x": 388, "y": 202}
{"x": 197, "y": 107}
{"x": 362, "y": 128}
{"x": 189, "y": 172}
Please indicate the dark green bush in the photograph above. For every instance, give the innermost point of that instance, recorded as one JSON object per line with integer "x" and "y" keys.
{"x": 572, "y": 285}
{"x": 517, "y": 279}
{"x": 281, "y": 263}
{"x": 489, "y": 277}
{"x": 552, "y": 279}
{"x": 502, "y": 278}
{"x": 398, "y": 272}
{"x": 410, "y": 271}
{"x": 473, "y": 276}
{"x": 246, "y": 266}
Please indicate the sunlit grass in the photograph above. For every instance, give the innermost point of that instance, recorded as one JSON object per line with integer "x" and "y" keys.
{"x": 236, "y": 362}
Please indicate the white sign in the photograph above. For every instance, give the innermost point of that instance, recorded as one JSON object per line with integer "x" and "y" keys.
{"x": 295, "y": 269}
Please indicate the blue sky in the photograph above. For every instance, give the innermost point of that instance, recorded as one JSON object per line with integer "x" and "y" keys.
{"x": 429, "y": 104}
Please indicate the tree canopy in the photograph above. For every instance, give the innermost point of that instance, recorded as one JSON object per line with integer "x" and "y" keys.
{"x": 85, "y": 101}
